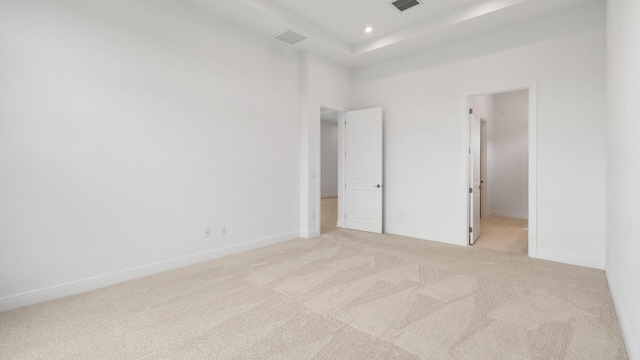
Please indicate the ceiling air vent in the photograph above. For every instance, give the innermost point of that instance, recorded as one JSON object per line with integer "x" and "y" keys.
{"x": 290, "y": 37}
{"x": 403, "y": 5}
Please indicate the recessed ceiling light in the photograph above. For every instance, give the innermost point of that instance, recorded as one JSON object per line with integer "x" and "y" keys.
{"x": 368, "y": 29}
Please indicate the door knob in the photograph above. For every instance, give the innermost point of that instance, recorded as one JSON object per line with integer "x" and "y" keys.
{"x": 378, "y": 186}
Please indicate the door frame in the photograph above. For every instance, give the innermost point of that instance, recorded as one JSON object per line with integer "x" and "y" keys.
{"x": 532, "y": 86}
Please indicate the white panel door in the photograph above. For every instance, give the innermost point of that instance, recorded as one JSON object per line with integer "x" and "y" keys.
{"x": 363, "y": 170}
{"x": 474, "y": 177}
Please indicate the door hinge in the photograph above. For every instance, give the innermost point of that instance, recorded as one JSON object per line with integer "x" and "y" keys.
{"x": 470, "y": 111}
{"x": 470, "y": 229}
{"x": 470, "y": 190}
{"x": 469, "y": 150}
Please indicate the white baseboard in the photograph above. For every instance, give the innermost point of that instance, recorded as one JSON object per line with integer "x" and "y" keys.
{"x": 569, "y": 259}
{"x": 421, "y": 235}
{"x": 76, "y": 287}
{"x": 511, "y": 214}
{"x": 544, "y": 255}
{"x": 308, "y": 234}
{"x": 632, "y": 351}
{"x": 329, "y": 195}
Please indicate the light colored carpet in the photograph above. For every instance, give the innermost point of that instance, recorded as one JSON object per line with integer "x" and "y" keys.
{"x": 504, "y": 234}
{"x": 346, "y": 295}
{"x": 329, "y": 211}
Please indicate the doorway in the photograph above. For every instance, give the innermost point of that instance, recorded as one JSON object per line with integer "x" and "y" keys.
{"x": 359, "y": 171}
{"x": 501, "y": 169}
{"x": 329, "y": 170}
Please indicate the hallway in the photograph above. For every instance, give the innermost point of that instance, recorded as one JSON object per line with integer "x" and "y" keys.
{"x": 504, "y": 234}
{"x": 329, "y": 214}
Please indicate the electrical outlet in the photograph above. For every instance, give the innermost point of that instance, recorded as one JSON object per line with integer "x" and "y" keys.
{"x": 223, "y": 230}
{"x": 207, "y": 232}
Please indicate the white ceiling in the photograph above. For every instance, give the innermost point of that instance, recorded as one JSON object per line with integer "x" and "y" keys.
{"x": 335, "y": 28}
{"x": 379, "y": 14}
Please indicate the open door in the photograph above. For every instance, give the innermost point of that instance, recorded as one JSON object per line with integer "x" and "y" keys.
{"x": 363, "y": 170}
{"x": 474, "y": 175}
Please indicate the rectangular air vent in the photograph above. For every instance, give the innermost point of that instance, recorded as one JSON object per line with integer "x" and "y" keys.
{"x": 403, "y": 5}
{"x": 290, "y": 37}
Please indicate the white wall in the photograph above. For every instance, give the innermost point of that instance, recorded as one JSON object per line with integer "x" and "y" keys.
{"x": 425, "y": 160}
{"x": 329, "y": 158}
{"x": 324, "y": 84}
{"x": 126, "y": 128}
{"x": 508, "y": 136}
{"x": 623, "y": 169}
